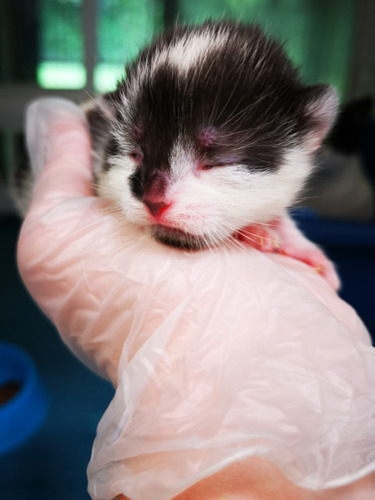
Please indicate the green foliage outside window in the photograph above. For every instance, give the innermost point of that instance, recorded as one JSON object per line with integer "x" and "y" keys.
{"x": 123, "y": 28}
{"x": 317, "y": 34}
{"x": 61, "y": 48}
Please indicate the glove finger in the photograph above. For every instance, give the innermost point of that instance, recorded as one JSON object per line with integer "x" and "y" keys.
{"x": 60, "y": 150}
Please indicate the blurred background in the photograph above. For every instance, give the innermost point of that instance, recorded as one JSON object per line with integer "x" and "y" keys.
{"x": 76, "y": 49}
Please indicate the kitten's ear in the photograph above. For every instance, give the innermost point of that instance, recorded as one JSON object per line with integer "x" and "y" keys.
{"x": 321, "y": 102}
{"x": 100, "y": 114}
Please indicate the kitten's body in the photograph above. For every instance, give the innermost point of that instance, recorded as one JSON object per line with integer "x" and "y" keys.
{"x": 210, "y": 131}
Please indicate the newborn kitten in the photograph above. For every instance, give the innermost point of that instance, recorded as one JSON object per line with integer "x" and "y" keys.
{"x": 210, "y": 131}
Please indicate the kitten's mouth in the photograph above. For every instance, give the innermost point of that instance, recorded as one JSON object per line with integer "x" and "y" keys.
{"x": 177, "y": 238}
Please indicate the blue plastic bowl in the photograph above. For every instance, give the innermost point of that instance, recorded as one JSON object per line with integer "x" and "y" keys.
{"x": 22, "y": 414}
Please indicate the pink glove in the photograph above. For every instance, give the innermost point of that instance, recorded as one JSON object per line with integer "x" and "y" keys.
{"x": 216, "y": 356}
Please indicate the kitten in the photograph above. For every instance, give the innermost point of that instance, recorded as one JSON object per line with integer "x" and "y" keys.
{"x": 210, "y": 131}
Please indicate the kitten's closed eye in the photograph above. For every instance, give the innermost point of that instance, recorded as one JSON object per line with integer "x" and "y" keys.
{"x": 137, "y": 156}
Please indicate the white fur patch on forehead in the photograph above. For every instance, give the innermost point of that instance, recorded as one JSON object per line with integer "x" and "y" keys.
{"x": 182, "y": 54}
{"x": 188, "y": 51}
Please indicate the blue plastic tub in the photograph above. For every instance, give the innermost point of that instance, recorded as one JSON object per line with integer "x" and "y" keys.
{"x": 22, "y": 414}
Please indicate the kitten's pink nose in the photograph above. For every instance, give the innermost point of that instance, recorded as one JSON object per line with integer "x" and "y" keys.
{"x": 156, "y": 207}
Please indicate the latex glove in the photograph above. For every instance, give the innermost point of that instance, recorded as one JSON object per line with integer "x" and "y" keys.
{"x": 216, "y": 356}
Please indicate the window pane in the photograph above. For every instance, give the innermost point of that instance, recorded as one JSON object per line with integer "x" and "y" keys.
{"x": 317, "y": 33}
{"x": 61, "y": 48}
{"x": 124, "y": 26}
{"x": 44, "y": 45}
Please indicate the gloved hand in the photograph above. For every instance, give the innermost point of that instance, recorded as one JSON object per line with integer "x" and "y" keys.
{"x": 216, "y": 356}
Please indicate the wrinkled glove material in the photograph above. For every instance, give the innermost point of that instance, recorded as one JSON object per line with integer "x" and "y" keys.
{"x": 215, "y": 356}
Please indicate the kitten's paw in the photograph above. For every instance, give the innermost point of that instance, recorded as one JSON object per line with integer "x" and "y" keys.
{"x": 272, "y": 238}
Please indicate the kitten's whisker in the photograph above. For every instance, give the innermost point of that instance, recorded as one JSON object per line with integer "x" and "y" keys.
{"x": 106, "y": 189}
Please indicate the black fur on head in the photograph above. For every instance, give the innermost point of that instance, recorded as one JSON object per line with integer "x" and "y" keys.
{"x": 239, "y": 83}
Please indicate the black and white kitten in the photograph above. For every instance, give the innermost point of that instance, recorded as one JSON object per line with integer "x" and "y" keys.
{"x": 210, "y": 130}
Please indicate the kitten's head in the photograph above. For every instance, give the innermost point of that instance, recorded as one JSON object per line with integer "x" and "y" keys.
{"x": 211, "y": 130}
